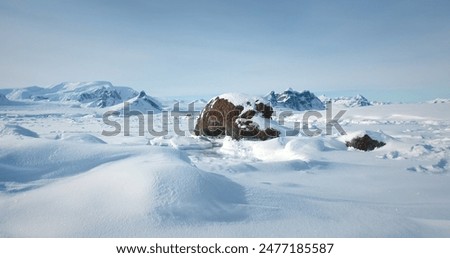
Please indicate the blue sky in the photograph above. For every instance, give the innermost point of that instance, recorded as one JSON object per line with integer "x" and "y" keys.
{"x": 391, "y": 50}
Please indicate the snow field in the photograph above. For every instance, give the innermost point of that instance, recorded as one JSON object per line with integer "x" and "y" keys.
{"x": 60, "y": 177}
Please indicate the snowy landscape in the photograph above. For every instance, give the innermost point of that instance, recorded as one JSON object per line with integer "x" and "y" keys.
{"x": 66, "y": 172}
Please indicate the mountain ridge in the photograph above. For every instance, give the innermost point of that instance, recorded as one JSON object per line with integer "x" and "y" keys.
{"x": 90, "y": 94}
{"x": 300, "y": 101}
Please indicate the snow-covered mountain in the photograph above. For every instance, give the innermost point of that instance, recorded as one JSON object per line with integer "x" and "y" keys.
{"x": 4, "y": 100}
{"x": 292, "y": 99}
{"x": 355, "y": 101}
{"x": 90, "y": 94}
{"x": 142, "y": 103}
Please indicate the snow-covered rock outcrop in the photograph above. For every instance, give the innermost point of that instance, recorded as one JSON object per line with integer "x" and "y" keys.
{"x": 237, "y": 115}
{"x": 365, "y": 143}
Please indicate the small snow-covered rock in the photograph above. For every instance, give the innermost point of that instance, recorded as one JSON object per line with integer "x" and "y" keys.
{"x": 365, "y": 143}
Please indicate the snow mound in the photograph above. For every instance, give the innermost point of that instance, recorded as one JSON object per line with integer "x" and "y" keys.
{"x": 187, "y": 193}
{"x": 295, "y": 100}
{"x": 183, "y": 143}
{"x": 191, "y": 143}
{"x": 139, "y": 196}
{"x": 283, "y": 149}
{"x": 17, "y": 130}
{"x": 439, "y": 168}
{"x": 83, "y": 138}
{"x": 27, "y": 165}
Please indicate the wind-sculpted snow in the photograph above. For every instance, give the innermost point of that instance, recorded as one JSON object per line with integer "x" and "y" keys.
{"x": 82, "y": 138}
{"x": 17, "y": 130}
{"x": 138, "y": 196}
{"x": 26, "y": 164}
{"x": 183, "y": 143}
{"x": 72, "y": 181}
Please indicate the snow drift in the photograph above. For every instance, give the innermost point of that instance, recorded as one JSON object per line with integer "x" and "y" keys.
{"x": 17, "y": 130}
{"x": 122, "y": 199}
{"x": 69, "y": 183}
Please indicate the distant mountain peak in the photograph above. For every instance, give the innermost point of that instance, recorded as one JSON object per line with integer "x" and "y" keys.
{"x": 356, "y": 101}
{"x": 142, "y": 94}
{"x": 141, "y": 102}
{"x": 289, "y": 90}
{"x": 295, "y": 100}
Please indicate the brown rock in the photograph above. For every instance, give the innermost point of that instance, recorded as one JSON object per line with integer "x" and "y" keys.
{"x": 220, "y": 117}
